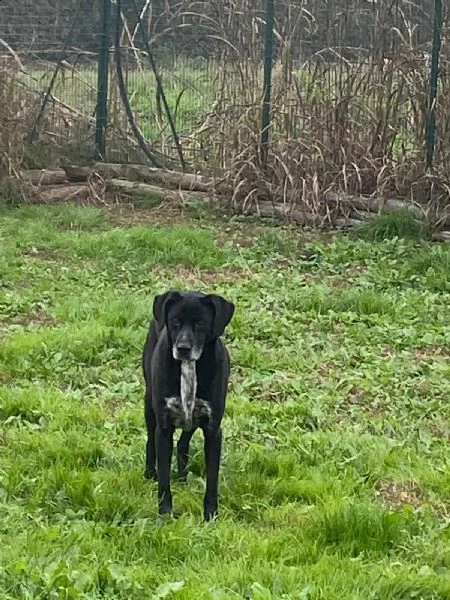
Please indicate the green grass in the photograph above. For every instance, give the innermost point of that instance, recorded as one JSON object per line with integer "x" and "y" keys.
{"x": 387, "y": 225}
{"x": 335, "y": 479}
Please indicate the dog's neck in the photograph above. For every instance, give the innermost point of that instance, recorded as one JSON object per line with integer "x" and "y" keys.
{"x": 188, "y": 390}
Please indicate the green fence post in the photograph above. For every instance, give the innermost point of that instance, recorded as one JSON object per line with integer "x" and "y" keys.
{"x": 102, "y": 81}
{"x": 430, "y": 133}
{"x": 268, "y": 57}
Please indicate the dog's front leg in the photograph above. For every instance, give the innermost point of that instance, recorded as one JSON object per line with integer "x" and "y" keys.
{"x": 150, "y": 456}
{"x": 213, "y": 448}
{"x": 164, "y": 447}
{"x": 183, "y": 454}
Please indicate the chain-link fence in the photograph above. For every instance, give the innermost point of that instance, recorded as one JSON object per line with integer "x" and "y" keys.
{"x": 182, "y": 81}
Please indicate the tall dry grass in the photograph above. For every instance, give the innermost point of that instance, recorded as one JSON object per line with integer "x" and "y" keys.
{"x": 353, "y": 128}
{"x": 348, "y": 116}
{"x": 345, "y": 120}
{"x": 15, "y": 108}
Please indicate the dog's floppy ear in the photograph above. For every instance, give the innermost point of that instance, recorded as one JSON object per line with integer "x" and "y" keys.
{"x": 223, "y": 312}
{"x": 161, "y": 305}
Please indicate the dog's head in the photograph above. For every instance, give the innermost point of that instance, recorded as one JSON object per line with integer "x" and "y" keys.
{"x": 192, "y": 319}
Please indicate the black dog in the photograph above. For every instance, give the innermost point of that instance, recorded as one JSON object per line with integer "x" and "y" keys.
{"x": 186, "y": 370}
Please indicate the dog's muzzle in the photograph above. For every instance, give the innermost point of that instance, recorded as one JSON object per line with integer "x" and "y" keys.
{"x": 184, "y": 351}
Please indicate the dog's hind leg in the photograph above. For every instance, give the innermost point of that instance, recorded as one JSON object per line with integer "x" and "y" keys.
{"x": 164, "y": 449}
{"x": 150, "y": 454}
{"x": 183, "y": 454}
{"x": 213, "y": 449}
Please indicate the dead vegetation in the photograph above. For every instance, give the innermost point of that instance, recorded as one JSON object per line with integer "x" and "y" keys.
{"x": 171, "y": 192}
{"x": 347, "y": 129}
{"x": 395, "y": 495}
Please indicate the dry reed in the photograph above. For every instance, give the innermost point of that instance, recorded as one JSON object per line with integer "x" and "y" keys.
{"x": 345, "y": 119}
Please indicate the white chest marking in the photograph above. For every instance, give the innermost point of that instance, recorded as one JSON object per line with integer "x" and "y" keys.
{"x": 188, "y": 390}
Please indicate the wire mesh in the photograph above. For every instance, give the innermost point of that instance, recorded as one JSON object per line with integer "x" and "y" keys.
{"x": 202, "y": 67}
{"x": 349, "y": 82}
{"x": 40, "y": 41}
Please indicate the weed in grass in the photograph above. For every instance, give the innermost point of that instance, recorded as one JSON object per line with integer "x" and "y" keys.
{"x": 430, "y": 269}
{"x": 393, "y": 224}
{"x": 64, "y": 216}
{"x": 355, "y": 528}
{"x": 338, "y": 398}
{"x": 323, "y": 299}
{"x": 425, "y": 585}
{"x": 146, "y": 245}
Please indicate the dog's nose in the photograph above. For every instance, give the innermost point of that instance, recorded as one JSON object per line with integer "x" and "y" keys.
{"x": 184, "y": 346}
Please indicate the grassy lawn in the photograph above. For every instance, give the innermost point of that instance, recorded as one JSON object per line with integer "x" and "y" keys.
{"x": 335, "y": 479}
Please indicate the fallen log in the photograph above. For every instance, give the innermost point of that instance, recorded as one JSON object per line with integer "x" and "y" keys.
{"x": 347, "y": 223}
{"x": 154, "y": 176}
{"x": 63, "y": 193}
{"x": 370, "y": 206}
{"x": 43, "y": 177}
{"x": 302, "y": 217}
{"x": 441, "y": 236}
{"x": 373, "y": 204}
{"x": 134, "y": 188}
{"x": 130, "y": 172}
{"x": 77, "y": 174}
{"x": 343, "y": 210}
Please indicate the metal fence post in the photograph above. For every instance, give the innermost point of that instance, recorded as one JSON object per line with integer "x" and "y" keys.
{"x": 430, "y": 133}
{"x": 268, "y": 58}
{"x": 102, "y": 81}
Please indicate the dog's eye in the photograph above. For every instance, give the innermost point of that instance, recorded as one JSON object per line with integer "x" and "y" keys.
{"x": 199, "y": 325}
{"x": 175, "y": 323}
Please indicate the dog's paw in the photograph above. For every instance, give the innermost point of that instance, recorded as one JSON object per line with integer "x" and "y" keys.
{"x": 165, "y": 508}
{"x": 210, "y": 514}
{"x": 169, "y": 517}
{"x": 150, "y": 474}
